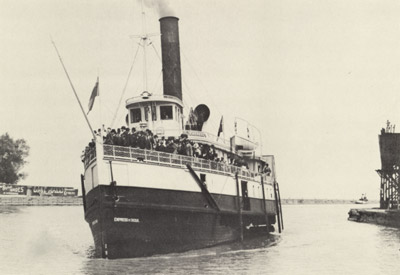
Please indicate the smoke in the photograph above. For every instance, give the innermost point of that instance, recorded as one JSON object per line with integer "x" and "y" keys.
{"x": 163, "y": 7}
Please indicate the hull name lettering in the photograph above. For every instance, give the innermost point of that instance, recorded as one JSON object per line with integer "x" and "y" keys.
{"x": 117, "y": 219}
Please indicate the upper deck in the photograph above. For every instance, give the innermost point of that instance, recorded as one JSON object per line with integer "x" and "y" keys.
{"x": 129, "y": 154}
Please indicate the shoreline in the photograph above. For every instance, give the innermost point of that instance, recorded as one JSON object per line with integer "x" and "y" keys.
{"x": 8, "y": 200}
{"x": 321, "y": 201}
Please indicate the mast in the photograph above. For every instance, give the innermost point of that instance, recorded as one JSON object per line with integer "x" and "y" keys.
{"x": 144, "y": 38}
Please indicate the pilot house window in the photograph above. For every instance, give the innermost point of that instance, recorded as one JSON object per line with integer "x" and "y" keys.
{"x": 153, "y": 112}
{"x": 166, "y": 112}
{"x": 136, "y": 115}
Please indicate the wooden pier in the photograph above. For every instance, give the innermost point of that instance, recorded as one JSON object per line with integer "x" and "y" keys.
{"x": 388, "y": 212}
{"x": 376, "y": 216}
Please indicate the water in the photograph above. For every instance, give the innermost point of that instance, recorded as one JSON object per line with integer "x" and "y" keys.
{"x": 317, "y": 239}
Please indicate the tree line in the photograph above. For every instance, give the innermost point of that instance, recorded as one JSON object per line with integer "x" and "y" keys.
{"x": 12, "y": 158}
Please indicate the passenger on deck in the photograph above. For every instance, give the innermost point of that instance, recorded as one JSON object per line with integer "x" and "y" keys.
{"x": 204, "y": 151}
{"x": 97, "y": 133}
{"x": 141, "y": 140}
{"x": 189, "y": 148}
{"x": 161, "y": 146}
{"x": 132, "y": 137}
{"x": 267, "y": 170}
{"x": 109, "y": 137}
{"x": 117, "y": 137}
{"x": 125, "y": 136}
{"x": 196, "y": 150}
{"x": 148, "y": 135}
{"x": 154, "y": 144}
{"x": 170, "y": 148}
{"x": 175, "y": 145}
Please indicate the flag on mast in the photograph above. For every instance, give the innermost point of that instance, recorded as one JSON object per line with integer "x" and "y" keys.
{"x": 221, "y": 126}
{"x": 95, "y": 93}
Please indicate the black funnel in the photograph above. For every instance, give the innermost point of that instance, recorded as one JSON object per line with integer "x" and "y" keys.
{"x": 171, "y": 59}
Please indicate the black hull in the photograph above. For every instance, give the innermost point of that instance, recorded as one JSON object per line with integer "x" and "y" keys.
{"x": 145, "y": 222}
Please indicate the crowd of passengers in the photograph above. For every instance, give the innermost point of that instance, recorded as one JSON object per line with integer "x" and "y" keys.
{"x": 147, "y": 140}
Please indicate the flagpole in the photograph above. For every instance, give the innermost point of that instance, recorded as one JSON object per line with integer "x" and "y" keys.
{"x": 101, "y": 118}
{"x": 223, "y": 130}
{"x": 73, "y": 89}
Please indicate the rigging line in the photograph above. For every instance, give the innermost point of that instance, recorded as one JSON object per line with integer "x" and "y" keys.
{"x": 188, "y": 91}
{"x": 213, "y": 122}
{"x": 153, "y": 63}
{"x": 124, "y": 114}
{"x": 157, "y": 81}
{"x": 205, "y": 88}
{"x": 158, "y": 55}
{"x": 201, "y": 82}
{"x": 190, "y": 96}
{"x": 191, "y": 99}
{"x": 108, "y": 109}
{"x": 223, "y": 187}
{"x": 124, "y": 90}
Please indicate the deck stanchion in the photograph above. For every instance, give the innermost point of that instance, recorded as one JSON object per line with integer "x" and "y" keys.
{"x": 83, "y": 192}
{"x": 239, "y": 206}
{"x": 264, "y": 203}
{"x": 277, "y": 208}
{"x": 280, "y": 204}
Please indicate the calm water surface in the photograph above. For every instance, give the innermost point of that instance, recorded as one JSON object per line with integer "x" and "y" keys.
{"x": 317, "y": 239}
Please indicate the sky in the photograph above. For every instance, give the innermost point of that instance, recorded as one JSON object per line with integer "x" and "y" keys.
{"x": 318, "y": 79}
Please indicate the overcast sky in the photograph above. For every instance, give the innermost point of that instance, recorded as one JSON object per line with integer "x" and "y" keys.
{"x": 318, "y": 78}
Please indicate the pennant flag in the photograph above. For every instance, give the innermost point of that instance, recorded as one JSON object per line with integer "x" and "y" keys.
{"x": 95, "y": 93}
{"x": 221, "y": 126}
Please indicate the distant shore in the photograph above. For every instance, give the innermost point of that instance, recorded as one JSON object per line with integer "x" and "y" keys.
{"x": 39, "y": 200}
{"x": 320, "y": 201}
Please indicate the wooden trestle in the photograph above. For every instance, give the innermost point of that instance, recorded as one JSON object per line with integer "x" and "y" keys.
{"x": 389, "y": 191}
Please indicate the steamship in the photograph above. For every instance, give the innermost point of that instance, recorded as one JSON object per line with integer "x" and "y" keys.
{"x": 141, "y": 202}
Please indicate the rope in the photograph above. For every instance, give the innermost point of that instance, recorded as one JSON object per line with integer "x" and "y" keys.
{"x": 158, "y": 55}
{"x": 206, "y": 90}
{"x": 157, "y": 81}
{"x": 124, "y": 90}
{"x": 223, "y": 187}
{"x": 123, "y": 115}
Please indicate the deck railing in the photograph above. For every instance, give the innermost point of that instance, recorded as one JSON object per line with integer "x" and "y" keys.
{"x": 89, "y": 156}
{"x": 162, "y": 158}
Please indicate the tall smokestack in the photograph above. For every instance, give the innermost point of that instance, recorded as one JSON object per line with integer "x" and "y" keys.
{"x": 171, "y": 59}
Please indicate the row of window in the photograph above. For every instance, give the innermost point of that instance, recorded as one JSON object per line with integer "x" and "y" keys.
{"x": 165, "y": 113}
